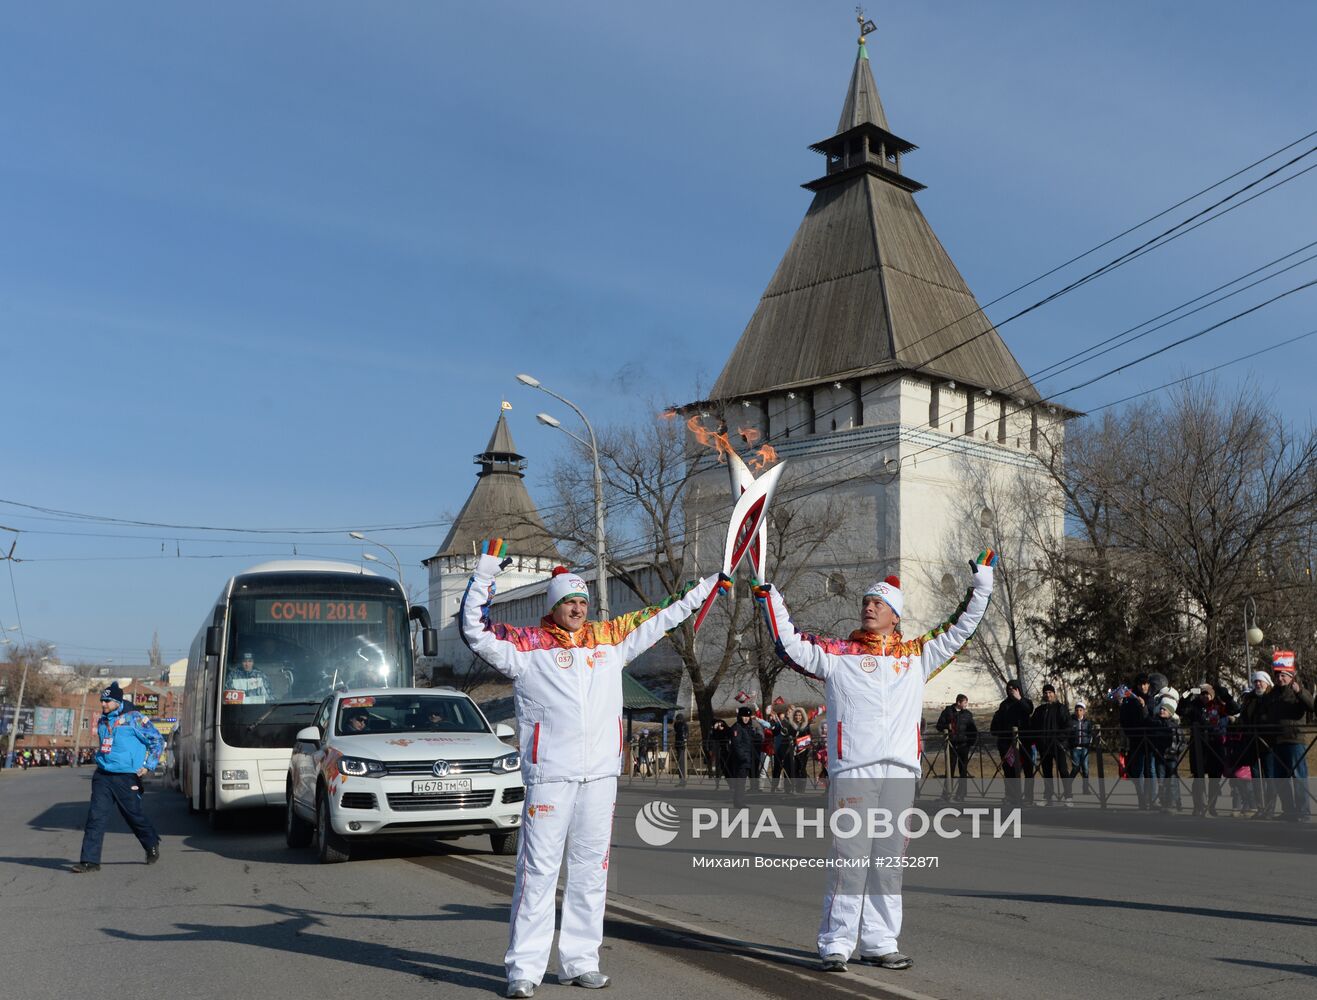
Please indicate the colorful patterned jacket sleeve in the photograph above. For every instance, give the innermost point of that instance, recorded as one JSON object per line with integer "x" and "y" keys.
{"x": 939, "y": 645}
{"x": 496, "y": 644}
{"x": 632, "y": 634}
{"x": 145, "y": 731}
{"x": 800, "y": 651}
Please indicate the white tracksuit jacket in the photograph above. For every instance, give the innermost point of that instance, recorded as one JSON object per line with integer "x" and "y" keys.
{"x": 568, "y": 685}
{"x": 875, "y": 684}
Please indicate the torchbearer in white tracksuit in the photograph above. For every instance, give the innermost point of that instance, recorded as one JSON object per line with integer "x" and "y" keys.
{"x": 567, "y": 677}
{"x": 875, "y": 686}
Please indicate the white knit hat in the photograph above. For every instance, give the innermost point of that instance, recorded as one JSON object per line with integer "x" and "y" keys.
{"x": 1262, "y": 675}
{"x": 565, "y": 584}
{"x": 889, "y": 592}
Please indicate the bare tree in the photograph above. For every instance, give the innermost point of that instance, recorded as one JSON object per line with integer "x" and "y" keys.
{"x": 22, "y": 672}
{"x": 1016, "y": 511}
{"x": 1182, "y": 510}
{"x": 648, "y": 471}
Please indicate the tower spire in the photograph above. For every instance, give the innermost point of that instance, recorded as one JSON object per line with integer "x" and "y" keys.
{"x": 862, "y": 105}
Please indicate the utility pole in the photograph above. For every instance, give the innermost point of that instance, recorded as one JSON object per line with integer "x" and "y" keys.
{"x": 18, "y": 706}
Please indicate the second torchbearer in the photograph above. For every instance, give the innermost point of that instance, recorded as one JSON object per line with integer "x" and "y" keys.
{"x": 875, "y": 685}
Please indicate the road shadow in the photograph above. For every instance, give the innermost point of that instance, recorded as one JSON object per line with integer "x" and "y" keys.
{"x": 1124, "y": 904}
{"x": 253, "y": 836}
{"x": 55, "y": 864}
{"x": 295, "y": 932}
{"x": 1299, "y": 970}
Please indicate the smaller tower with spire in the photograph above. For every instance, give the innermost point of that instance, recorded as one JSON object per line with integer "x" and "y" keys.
{"x": 499, "y": 507}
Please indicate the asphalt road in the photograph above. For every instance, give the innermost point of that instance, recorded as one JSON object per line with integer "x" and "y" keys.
{"x": 1081, "y": 905}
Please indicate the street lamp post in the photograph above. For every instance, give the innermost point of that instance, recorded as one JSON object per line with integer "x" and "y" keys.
{"x": 600, "y": 553}
{"x": 1252, "y": 635}
{"x": 362, "y": 538}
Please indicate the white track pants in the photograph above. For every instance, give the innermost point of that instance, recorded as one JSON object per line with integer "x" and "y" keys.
{"x": 579, "y": 816}
{"x": 860, "y": 903}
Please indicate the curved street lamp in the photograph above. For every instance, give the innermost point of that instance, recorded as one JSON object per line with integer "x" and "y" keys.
{"x": 600, "y": 553}
{"x": 367, "y": 556}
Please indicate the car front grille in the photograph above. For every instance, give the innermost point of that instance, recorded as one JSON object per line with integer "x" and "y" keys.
{"x": 517, "y": 794}
{"x": 412, "y": 802}
{"x": 483, "y": 765}
{"x": 357, "y": 800}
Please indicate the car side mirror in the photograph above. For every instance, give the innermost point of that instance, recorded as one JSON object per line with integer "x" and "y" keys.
{"x": 504, "y": 732}
{"x": 311, "y": 734}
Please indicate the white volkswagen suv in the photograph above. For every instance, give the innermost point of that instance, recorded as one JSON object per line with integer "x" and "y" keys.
{"x": 402, "y": 762}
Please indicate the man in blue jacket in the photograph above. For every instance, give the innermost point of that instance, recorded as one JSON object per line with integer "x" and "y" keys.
{"x": 130, "y": 746}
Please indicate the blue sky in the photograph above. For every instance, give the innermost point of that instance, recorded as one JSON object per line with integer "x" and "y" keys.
{"x": 277, "y": 266}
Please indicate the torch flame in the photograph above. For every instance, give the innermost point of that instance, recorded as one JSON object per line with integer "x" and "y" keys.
{"x": 759, "y": 460}
{"x": 762, "y": 459}
{"x": 710, "y": 439}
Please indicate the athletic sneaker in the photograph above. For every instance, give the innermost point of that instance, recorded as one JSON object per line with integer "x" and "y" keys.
{"x": 833, "y": 963}
{"x": 520, "y": 988}
{"x": 589, "y": 980}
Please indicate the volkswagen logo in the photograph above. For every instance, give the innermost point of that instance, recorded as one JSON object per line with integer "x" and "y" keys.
{"x": 440, "y": 768}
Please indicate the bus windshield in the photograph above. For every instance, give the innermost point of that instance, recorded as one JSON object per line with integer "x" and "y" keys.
{"x": 287, "y": 652}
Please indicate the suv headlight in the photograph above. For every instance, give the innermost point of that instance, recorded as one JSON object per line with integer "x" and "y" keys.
{"x": 359, "y": 767}
{"x": 507, "y": 763}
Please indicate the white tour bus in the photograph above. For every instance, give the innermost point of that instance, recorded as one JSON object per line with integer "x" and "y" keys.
{"x": 281, "y": 637}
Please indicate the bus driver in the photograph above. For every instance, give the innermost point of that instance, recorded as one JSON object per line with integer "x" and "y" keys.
{"x": 251, "y": 685}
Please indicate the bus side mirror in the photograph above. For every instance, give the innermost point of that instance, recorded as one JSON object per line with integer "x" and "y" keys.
{"x": 429, "y": 637}
{"x": 213, "y": 640}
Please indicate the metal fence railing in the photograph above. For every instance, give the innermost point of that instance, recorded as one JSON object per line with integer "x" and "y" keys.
{"x": 1211, "y": 772}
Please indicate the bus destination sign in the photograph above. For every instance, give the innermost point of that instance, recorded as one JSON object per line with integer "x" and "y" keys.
{"x": 319, "y": 612}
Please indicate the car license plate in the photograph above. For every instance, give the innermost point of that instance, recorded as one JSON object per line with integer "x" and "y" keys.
{"x": 429, "y": 786}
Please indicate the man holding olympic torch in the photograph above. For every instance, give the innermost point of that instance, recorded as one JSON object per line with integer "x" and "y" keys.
{"x": 567, "y": 685}
{"x": 874, "y": 686}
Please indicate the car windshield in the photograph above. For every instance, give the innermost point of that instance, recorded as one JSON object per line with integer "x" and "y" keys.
{"x": 399, "y": 713}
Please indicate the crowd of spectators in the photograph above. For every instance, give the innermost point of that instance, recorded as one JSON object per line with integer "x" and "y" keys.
{"x": 1251, "y": 748}
{"x": 47, "y": 757}
{"x": 1254, "y": 748}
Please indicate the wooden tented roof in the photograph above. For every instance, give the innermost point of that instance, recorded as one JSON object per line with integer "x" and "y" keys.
{"x": 865, "y": 286}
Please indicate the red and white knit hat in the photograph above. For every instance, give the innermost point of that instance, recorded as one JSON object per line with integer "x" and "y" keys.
{"x": 565, "y": 584}
{"x": 888, "y": 591}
